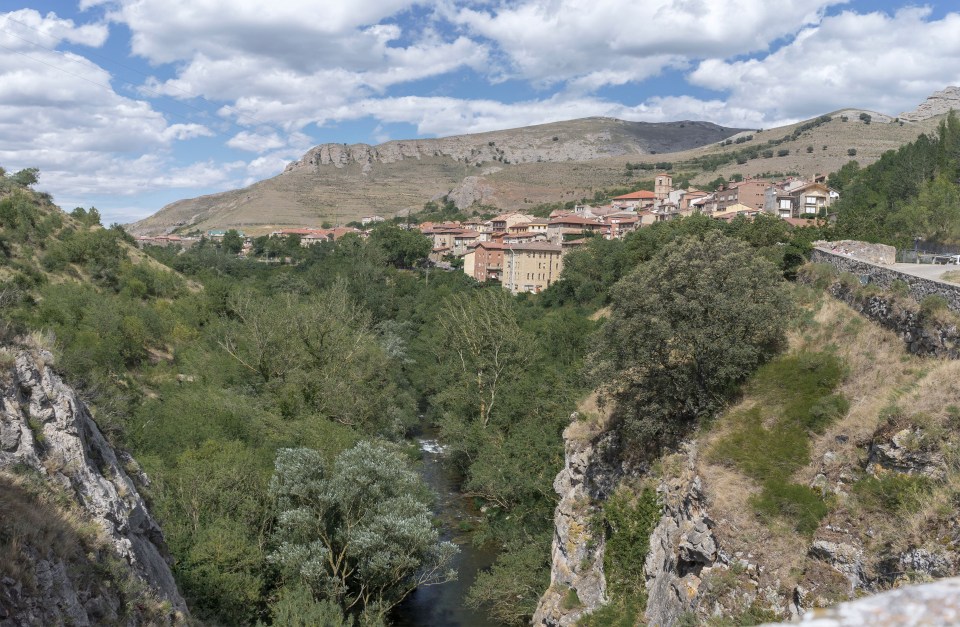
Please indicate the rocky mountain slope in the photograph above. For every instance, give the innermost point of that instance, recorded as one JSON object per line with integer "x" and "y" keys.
{"x": 939, "y": 103}
{"x": 342, "y": 182}
{"x": 885, "y": 468}
{"x": 77, "y": 542}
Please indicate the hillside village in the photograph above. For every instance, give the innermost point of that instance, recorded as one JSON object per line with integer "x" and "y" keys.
{"x": 525, "y": 253}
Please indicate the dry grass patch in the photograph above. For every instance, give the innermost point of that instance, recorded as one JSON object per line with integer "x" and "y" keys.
{"x": 951, "y": 276}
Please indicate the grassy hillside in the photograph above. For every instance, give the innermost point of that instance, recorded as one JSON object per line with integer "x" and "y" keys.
{"x": 585, "y": 159}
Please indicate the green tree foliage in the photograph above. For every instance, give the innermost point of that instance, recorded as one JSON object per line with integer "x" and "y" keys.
{"x": 316, "y": 355}
{"x": 514, "y": 584}
{"x": 86, "y": 218}
{"x": 684, "y": 329}
{"x": 358, "y": 532}
{"x": 402, "y": 248}
{"x": 906, "y": 190}
{"x": 232, "y": 242}
{"x": 26, "y": 177}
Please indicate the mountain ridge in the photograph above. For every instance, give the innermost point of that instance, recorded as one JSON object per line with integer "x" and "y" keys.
{"x": 519, "y": 167}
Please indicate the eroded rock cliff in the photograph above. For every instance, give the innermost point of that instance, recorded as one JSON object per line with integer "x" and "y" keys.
{"x": 590, "y": 472}
{"x": 84, "y": 549}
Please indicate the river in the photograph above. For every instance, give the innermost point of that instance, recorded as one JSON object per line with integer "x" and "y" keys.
{"x": 445, "y": 605}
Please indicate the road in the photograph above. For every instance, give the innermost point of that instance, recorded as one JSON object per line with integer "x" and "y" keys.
{"x": 925, "y": 271}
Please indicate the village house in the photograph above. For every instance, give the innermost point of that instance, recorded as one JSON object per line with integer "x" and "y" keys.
{"x": 522, "y": 238}
{"x": 796, "y": 198}
{"x": 560, "y": 228}
{"x": 504, "y": 221}
{"x": 484, "y": 262}
{"x": 621, "y": 223}
{"x": 367, "y": 220}
{"x": 687, "y": 206}
{"x": 749, "y": 193}
{"x": 531, "y": 267}
{"x": 733, "y": 211}
{"x": 639, "y": 200}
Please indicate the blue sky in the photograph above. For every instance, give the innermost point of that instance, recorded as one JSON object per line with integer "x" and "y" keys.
{"x": 128, "y": 105}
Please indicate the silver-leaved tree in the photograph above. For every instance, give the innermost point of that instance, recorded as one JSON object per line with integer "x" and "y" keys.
{"x": 357, "y": 532}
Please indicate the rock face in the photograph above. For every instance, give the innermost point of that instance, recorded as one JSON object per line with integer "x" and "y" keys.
{"x": 935, "y": 603}
{"x": 588, "y": 474}
{"x": 46, "y": 428}
{"x": 600, "y": 137}
{"x": 682, "y": 547}
{"x": 937, "y": 104}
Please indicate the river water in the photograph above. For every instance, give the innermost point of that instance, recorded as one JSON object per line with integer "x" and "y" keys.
{"x": 445, "y": 605}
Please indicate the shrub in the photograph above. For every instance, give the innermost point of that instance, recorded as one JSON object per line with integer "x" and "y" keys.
{"x": 900, "y": 288}
{"x": 932, "y": 304}
{"x": 821, "y": 275}
{"x": 783, "y": 152}
{"x": 628, "y": 519}
{"x": 852, "y": 152}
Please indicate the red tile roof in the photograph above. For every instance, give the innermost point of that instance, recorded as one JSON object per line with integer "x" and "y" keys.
{"x": 640, "y": 195}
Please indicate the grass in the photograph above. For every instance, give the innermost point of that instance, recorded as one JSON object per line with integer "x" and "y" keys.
{"x": 893, "y": 493}
{"x": 795, "y": 399}
{"x": 953, "y": 276}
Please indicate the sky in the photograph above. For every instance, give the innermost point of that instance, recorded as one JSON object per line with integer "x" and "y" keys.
{"x": 128, "y": 105}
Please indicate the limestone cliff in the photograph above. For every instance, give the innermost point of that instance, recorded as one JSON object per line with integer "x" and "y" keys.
{"x": 885, "y": 470}
{"x": 590, "y": 472}
{"x": 92, "y": 554}
{"x": 937, "y": 104}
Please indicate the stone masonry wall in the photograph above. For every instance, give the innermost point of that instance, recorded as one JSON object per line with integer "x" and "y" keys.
{"x": 884, "y": 277}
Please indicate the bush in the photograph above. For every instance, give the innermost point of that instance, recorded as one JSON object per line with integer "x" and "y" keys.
{"x": 932, "y": 304}
{"x": 900, "y": 288}
{"x": 821, "y": 275}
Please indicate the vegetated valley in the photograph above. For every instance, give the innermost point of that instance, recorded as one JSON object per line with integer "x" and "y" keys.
{"x": 716, "y": 385}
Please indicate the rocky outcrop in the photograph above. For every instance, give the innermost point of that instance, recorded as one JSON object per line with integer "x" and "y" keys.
{"x": 682, "y": 546}
{"x": 935, "y": 603}
{"x": 590, "y": 472}
{"x": 937, "y": 104}
{"x": 47, "y": 430}
{"x": 473, "y": 189}
{"x": 904, "y": 453}
{"x": 880, "y": 254}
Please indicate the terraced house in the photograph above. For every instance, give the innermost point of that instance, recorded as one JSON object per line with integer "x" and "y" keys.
{"x": 531, "y": 267}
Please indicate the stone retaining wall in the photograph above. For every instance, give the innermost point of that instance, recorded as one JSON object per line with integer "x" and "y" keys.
{"x": 884, "y": 277}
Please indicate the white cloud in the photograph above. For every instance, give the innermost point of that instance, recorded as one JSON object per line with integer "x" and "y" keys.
{"x": 597, "y": 42}
{"x": 286, "y": 62}
{"x": 27, "y": 30}
{"x": 450, "y": 116}
{"x": 59, "y": 113}
{"x": 256, "y": 142}
{"x": 877, "y": 61}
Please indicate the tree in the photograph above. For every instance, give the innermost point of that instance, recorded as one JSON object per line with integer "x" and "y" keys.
{"x": 360, "y": 532}
{"x": 402, "y": 248}
{"x": 684, "y": 329}
{"x": 484, "y": 344}
{"x": 232, "y": 242}
{"x": 26, "y": 177}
